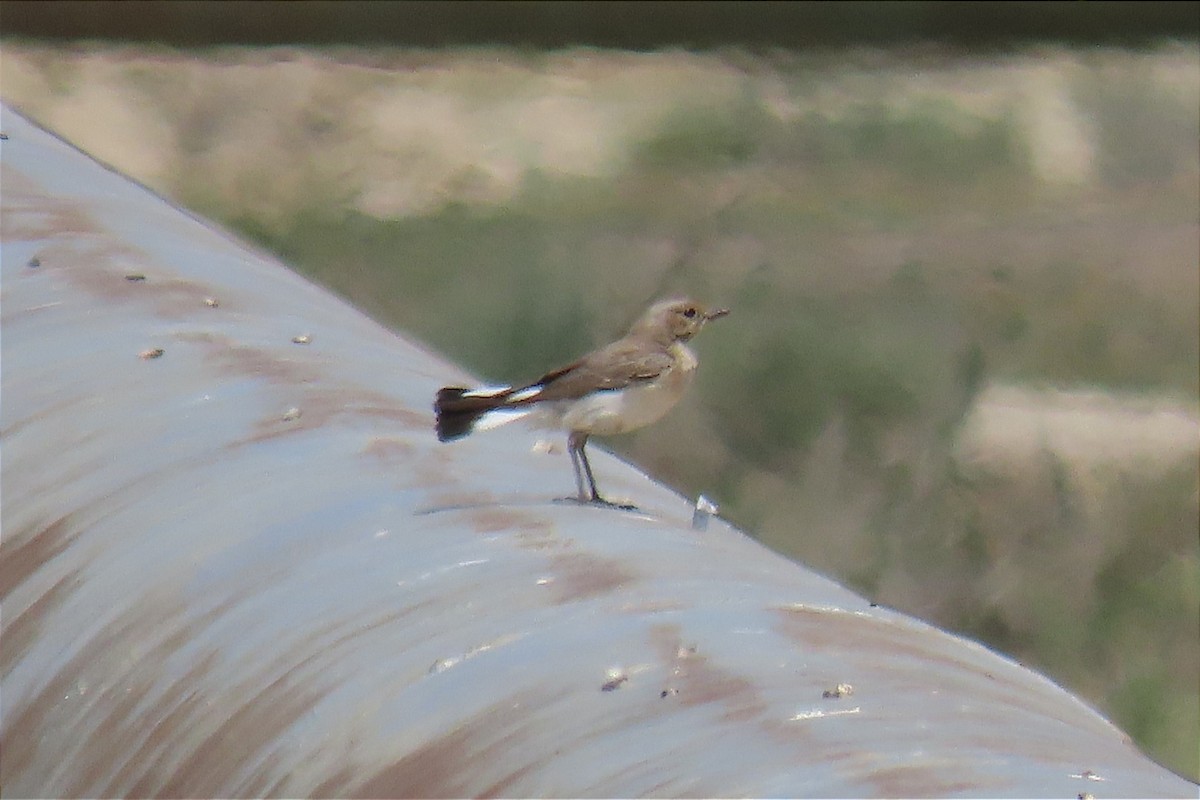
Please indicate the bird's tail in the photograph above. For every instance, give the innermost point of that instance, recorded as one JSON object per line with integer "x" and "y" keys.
{"x": 459, "y": 411}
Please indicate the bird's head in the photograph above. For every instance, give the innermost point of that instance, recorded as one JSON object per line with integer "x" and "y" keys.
{"x": 676, "y": 320}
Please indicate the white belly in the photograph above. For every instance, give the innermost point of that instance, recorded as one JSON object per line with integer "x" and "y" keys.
{"x": 611, "y": 412}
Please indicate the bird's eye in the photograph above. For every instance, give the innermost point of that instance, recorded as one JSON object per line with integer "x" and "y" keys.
{"x": 689, "y": 312}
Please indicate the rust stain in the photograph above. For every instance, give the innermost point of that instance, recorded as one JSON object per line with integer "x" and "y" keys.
{"x": 487, "y": 740}
{"x": 929, "y": 653}
{"x": 257, "y": 718}
{"x": 437, "y": 468}
{"x": 257, "y": 722}
{"x": 700, "y": 682}
{"x": 319, "y": 406}
{"x": 838, "y": 630}
{"x": 335, "y": 785}
{"x": 993, "y": 731}
{"x": 545, "y": 538}
{"x": 923, "y": 661}
{"x": 491, "y": 520}
{"x": 390, "y": 450}
{"x": 501, "y": 787}
{"x": 581, "y": 576}
{"x": 79, "y": 249}
{"x": 26, "y": 731}
{"x": 178, "y": 709}
{"x": 231, "y": 358}
{"x": 29, "y": 215}
{"x": 436, "y": 769}
{"x": 19, "y": 631}
{"x": 173, "y": 298}
{"x": 56, "y": 411}
{"x": 101, "y": 267}
{"x": 923, "y": 781}
{"x": 25, "y": 728}
{"x": 23, "y": 553}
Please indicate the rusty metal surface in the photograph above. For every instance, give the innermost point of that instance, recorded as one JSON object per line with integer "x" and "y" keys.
{"x": 244, "y": 566}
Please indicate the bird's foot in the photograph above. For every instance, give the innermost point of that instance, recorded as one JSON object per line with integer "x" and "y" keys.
{"x": 597, "y": 500}
{"x": 600, "y": 501}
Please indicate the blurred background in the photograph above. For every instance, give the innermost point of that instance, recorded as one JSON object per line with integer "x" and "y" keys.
{"x": 961, "y": 243}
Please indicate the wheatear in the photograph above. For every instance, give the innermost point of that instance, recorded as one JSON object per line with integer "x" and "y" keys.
{"x": 616, "y": 389}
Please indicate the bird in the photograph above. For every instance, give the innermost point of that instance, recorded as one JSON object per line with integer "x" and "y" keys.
{"x": 618, "y": 388}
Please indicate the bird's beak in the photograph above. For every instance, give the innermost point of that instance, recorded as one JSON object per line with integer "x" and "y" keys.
{"x": 716, "y": 312}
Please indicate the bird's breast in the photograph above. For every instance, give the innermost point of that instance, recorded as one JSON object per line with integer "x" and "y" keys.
{"x": 606, "y": 413}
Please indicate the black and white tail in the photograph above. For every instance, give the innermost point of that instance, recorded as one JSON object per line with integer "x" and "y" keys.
{"x": 460, "y": 411}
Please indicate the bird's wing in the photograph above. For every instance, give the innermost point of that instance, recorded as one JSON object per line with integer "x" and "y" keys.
{"x": 619, "y": 365}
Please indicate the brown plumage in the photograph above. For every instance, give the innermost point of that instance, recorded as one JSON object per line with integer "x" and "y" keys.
{"x": 618, "y": 388}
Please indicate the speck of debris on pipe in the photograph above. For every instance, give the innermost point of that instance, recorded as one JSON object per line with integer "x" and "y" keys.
{"x": 616, "y": 676}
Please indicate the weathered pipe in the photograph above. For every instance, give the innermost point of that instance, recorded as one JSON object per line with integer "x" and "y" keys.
{"x": 236, "y": 562}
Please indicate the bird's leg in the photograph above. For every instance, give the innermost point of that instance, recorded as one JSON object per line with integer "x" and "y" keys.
{"x": 576, "y": 443}
{"x": 587, "y": 468}
{"x": 581, "y": 495}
